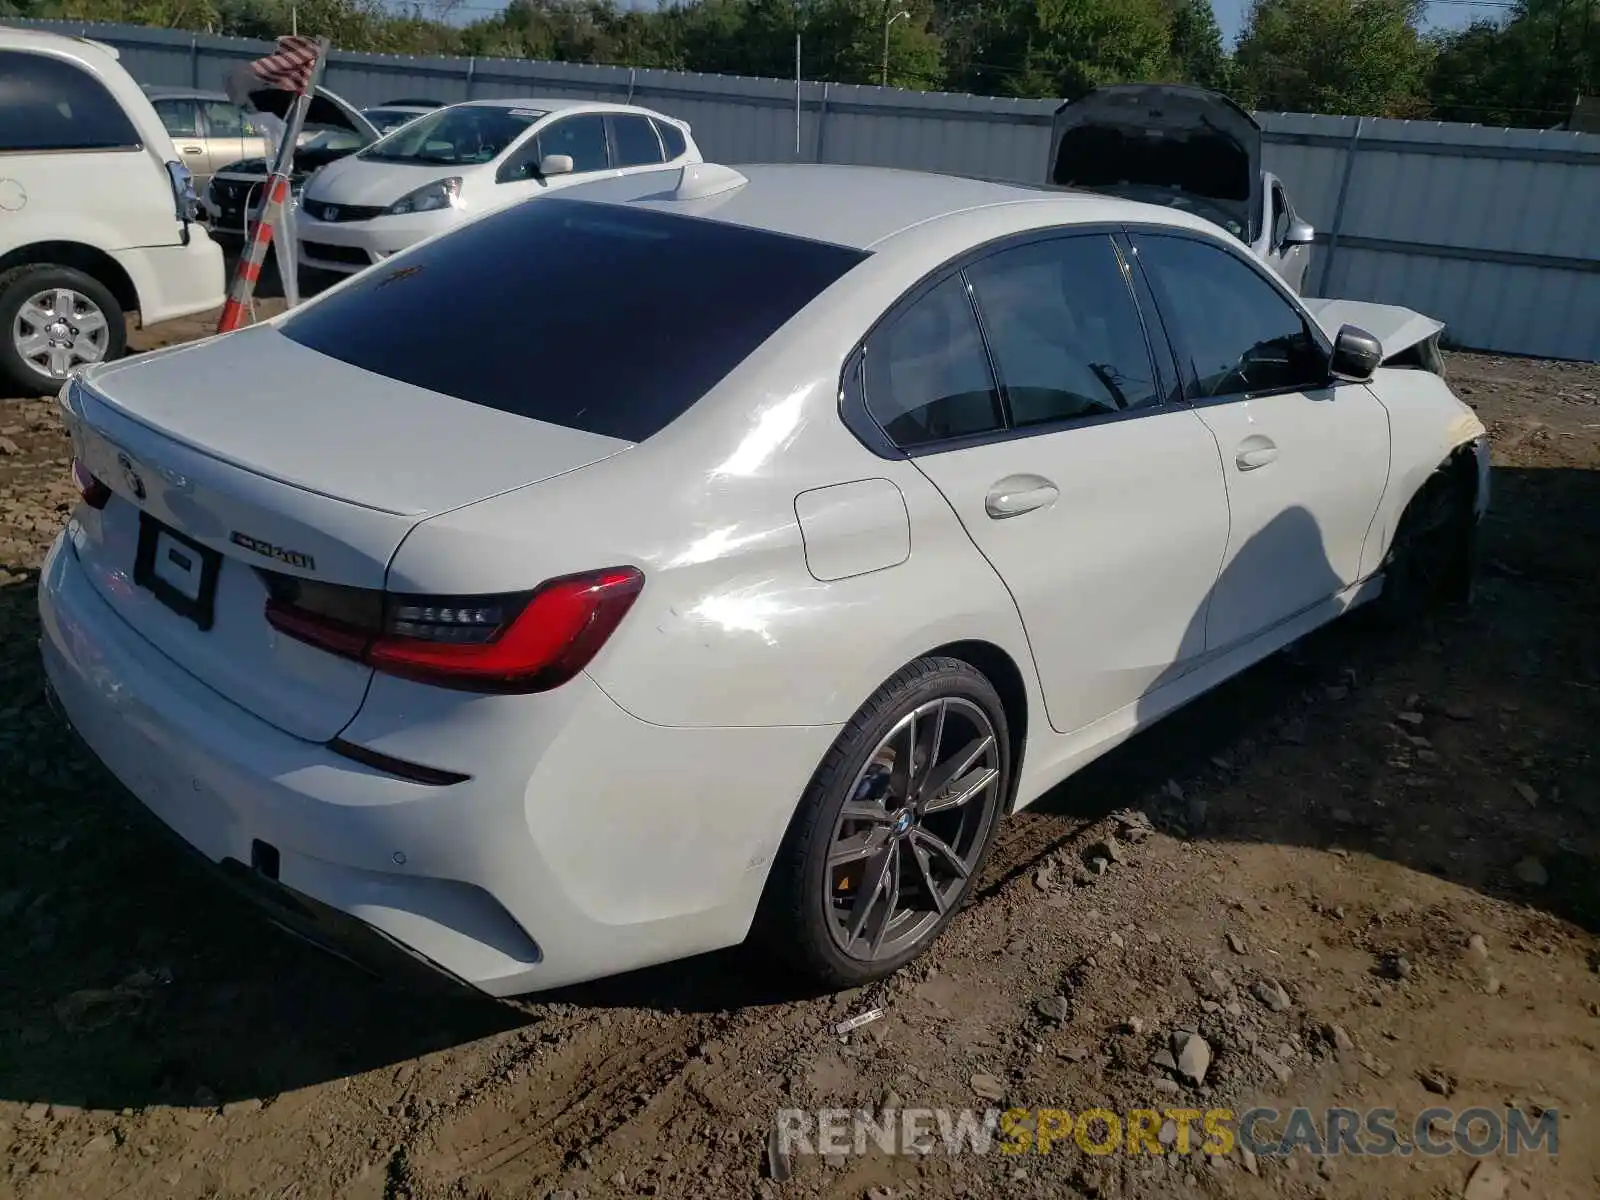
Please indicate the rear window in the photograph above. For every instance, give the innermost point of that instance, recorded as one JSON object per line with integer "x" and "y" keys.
{"x": 597, "y": 317}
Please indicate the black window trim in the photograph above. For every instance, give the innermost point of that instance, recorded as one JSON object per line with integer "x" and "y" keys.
{"x": 613, "y": 143}
{"x": 859, "y": 420}
{"x": 200, "y": 123}
{"x": 1185, "y": 377}
{"x": 133, "y": 126}
{"x": 657, "y": 123}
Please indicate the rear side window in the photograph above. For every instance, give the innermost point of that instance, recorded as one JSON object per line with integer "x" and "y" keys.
{"x": 672, "y": 139}
{"x": 580, "y": 314}
{"x": 927, "y": 375}
{"x": 47, "y": 103}
{"x": 1063, "y": 330}
{"x": 179, "y": 117}
{"x": 636, "y": 143}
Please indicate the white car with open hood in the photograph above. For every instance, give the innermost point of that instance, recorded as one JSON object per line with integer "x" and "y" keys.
{"x": 1166, "y": 143}
{"x": 442, "y": 168}
{"x": 799, "y": 524}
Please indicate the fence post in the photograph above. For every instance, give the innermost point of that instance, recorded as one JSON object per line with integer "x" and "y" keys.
{"x": 822, "y": 122}
{"x": 1338, "y": 208}
{"x": 194, "y": 61}
{"x": 472, "y": 71}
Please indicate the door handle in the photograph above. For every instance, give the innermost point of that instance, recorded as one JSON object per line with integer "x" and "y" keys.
{"x": 1018, "y": 494}
{"x": 1255, "y": 451}
{"x": 193, "y": 150}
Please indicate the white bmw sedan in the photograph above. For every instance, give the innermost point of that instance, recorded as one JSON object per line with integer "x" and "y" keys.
{"x": 772, "y": 535}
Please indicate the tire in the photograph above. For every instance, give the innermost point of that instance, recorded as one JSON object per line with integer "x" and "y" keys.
{"x": 79, "y": 344}
{"x": 810, "y": 915}
{"x": 1433, "y": 557}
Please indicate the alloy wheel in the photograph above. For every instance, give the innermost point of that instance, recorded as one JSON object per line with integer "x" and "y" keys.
{"x": 912, "y": 829}
{"x": 59, "y": 329}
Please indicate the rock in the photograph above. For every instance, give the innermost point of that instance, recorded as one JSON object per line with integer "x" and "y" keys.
{"x": 1173, "y": 789}
{"x": 1374, "y": 1064}
{"x": 1397, "y": 966}
{"x": 1437, "y": 1081}
{"x": 1167, "y": 1087}
{"x": 1492, "y": 985}
{"x": 1477, "y": 947}
{"x": 1457, "y": 712}
{"x": 1531, "y": 871}
{"x": 1276, "y": 1065}
{"x": 1169, "y": 1132}
{"x": 1236, "y": 943}
{"x": 1336, "y": 691}
{"x": 1488, "y": 1181}
{"x": 1055, "y": 1008}
{"x": 1343, "y": 816}
{"x": 1099, "y": 866}
{"x": 1293, "y": 733}
{"x": 1164, "y": 1059}
{"x": 8, "y": 448}
{"x": 1115, "y": 939}
{"x": 99, "y": 1144}
{"x": 1338, "y": 1038}
{"x": 1075, "y": 1054}
{"x": 1270, "y": 992}
{"x": 1410, "y": 718}
{"x": 1195, "y": 1059}
{"x": 989, "y": 1087}
{"x": 1525, "y": 791}
{"x": 1134, "y": 1026}
{"x": 1247, "y": 1159}
{"x": 241, "y": 1108}
{"x": 880, "y": 1193}
{"x": 1045, "y": 877}
{"x": 779, "y": 1168}
{"x": 36, "y": 1112}
{"x": 1196, "y": 812}
{"x": 1109, "y": 850}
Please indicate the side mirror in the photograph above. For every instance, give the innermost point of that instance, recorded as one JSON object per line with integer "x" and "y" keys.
{"x": 1299, "y": 234}
{"x": 1356, "y": 355}
{"x": 555, "y": 164}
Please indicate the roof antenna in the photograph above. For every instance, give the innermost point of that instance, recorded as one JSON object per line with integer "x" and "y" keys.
{"x": 700, "y": 180}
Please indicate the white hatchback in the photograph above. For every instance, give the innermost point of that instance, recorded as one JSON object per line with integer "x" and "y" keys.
{"x": 436, "y": 171}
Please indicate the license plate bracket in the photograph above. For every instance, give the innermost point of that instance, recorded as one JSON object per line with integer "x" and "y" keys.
{"x": 177, "y": 570}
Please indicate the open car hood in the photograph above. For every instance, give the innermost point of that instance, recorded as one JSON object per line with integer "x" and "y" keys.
{"x": 1163, "y": 143}
{"x": 1397, "y": 329}
{"x": 244, "y": 89}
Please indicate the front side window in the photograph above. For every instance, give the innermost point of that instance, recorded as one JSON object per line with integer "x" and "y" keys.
{"x": 583, "y": 137}
{"x": 636, "y": 141}
{"x": 178, "y": 117}
{"x": 927, "y": 376}
{"x": 1234, "y": 332}
{"x": 578, "y": 281}
{"x": 47, "y": 103}
{"x": 460, "y": 136}
{"x": 1062, "y": 327}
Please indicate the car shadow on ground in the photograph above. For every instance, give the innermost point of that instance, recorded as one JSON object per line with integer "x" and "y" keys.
{"x": 130, "y": 978}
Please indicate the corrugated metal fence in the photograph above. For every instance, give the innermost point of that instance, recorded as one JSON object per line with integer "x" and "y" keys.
{"x": 1495, "y": 231}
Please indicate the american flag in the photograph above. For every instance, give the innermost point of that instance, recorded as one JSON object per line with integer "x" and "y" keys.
{"x": 290, "y": 66}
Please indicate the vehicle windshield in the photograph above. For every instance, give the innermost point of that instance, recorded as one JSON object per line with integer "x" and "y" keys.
{"x": 330, "y": 138}
{"x": 454, "y": 136}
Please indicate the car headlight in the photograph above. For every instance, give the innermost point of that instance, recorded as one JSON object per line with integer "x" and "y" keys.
{"x": 441, "y": 193}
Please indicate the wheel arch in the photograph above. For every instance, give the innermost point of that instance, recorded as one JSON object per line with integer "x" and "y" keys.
{"x": 91, "y": 261}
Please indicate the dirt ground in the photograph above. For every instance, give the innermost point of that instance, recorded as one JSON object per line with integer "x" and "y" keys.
{"x": 1398, "y": 831}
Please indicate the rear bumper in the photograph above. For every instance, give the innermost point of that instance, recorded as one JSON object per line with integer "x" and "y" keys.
{"x": 587, "y": 843}
{"x": 176, "y": 281}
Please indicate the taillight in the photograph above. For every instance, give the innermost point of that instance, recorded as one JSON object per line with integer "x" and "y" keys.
{"x": 95, "y": 493}
{"x": 519, "y": 642}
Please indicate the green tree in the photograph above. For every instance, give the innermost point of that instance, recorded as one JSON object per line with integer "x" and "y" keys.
{"x": 1360, "y": 57}
{"x": 1526, "y": 71}
{"x": 1065, "y": 47}
{"x": 1197, "y": 53}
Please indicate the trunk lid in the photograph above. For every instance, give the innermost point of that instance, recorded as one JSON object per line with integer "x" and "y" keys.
{"x": 250, "y": 453}
{"x": 1163, "y": 143}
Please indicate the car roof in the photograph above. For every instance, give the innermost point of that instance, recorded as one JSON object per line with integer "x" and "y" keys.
{"x": 184, "y": 93}
{"x": 555, "y": 104}
{"x": 860, "y": 207}
{"x": 14, "y": 37}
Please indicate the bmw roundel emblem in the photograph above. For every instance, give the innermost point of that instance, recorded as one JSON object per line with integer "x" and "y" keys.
{"x": 131, "y": 477}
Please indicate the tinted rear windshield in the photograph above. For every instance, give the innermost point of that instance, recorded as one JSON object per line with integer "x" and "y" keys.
{"x": 603, "y": 318}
